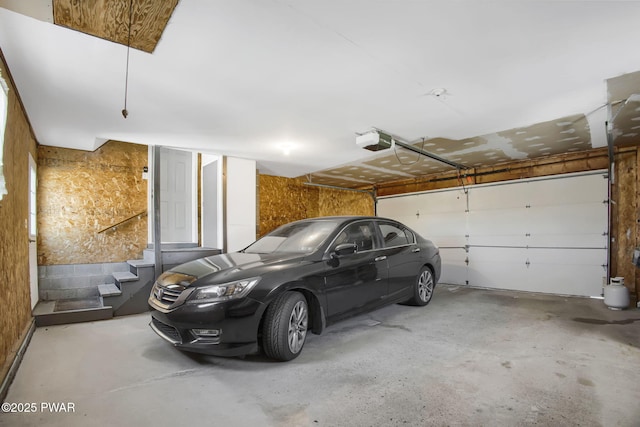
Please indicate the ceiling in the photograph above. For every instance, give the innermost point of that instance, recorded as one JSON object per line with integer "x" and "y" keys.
{"x": 291, "y": 83}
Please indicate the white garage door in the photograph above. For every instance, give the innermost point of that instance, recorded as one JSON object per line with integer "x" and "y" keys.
{"x": 542, "y": 235}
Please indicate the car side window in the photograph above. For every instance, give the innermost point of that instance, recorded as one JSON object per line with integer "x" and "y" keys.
{"x": 360, "y": 233}
{"x": 393, "y": 235}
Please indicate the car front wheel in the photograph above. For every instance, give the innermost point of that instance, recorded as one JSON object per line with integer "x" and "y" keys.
{"x": 285, "y": 326}
{"x": 423, "y": 288}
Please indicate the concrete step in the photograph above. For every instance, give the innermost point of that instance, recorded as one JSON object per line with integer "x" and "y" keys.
{"x": 62, "y": 312}
{"x": 141, "y": 263}
{"x": 124, "y": 276}
{"x": 109, "y": 290}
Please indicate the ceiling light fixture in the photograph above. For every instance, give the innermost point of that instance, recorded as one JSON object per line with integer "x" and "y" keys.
{"x": 125, "y": 113}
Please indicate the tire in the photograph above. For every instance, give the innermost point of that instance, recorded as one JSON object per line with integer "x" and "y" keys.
{"x": 285, "y": 326}
{"x": 423, "y": 289}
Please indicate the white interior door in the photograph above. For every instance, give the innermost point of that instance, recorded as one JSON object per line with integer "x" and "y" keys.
{"x": 176, "y": 196}
{"x": 542, "y": 235}
{"x": 33, "y": 233}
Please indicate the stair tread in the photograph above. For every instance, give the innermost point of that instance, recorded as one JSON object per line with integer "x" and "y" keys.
{"x": 124, "y": 276}
{"x": 45, "y": 316}
{"x": 109, "y": 290}
{"x": 141, "y": 263}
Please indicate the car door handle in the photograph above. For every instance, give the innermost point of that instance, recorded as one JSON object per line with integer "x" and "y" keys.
{"x": 380, "y": 258}
{"x": 415, "y": 250}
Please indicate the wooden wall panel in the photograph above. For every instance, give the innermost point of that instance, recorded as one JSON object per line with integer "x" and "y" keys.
{"x": 282, "y": 200}
{"x": 625, "y": 216}
{"x": 337, "y": 202}
{"x": 81, "y": 193}
{"x": 15, "y": 303}
{"x": 552, "y": 165}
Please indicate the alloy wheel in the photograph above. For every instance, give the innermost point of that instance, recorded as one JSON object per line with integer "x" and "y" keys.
{"x": 297, "y": 327}
{"x": 425, "y": 285}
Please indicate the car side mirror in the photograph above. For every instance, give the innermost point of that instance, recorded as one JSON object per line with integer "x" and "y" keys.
{"x": 345, "y": 249}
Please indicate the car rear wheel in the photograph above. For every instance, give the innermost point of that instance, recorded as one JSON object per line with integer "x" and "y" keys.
{"x": 423, "y": 289}
{"x": 285, "y": 326}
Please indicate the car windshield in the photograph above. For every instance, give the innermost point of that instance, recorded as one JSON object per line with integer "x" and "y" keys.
{"x": 300, "y": 237}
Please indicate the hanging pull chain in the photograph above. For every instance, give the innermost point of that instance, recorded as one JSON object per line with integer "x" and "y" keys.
{"x": 125, "y": 113}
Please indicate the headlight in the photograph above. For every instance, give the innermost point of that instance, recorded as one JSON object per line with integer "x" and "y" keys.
{"x": 224, "y": 291}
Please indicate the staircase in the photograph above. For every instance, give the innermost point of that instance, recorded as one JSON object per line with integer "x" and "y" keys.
{"x": 127, "y": 292}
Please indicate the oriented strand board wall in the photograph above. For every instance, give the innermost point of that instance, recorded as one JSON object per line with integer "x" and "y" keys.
{"x": 337, "y": 202}
{"x": 15, "y": 303}
{"x": 625, "y": 229}
{"x": 81, "y": 193}
{"x": 282, "y": 200}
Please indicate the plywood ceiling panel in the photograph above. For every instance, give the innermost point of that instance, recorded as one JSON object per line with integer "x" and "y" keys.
{"x": 109, "y": 19}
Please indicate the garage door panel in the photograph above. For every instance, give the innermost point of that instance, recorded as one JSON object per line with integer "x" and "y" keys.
{"x": 448, "y": 241}
{"x": 440, "y": 202}
{"x": 425, "y": 204}
{"x": 498, "y": 268}
{"x": 563, "y": 240}
{"x": 497, "y": 240}
{"x": 497, "y": 221}
{"x": 569, "y": 219}
{"x": 454, "y": 267}
{"x": 542, "y": 235}
{"x": 498, "y": 196}
{"x": 497, "y": 255}
{"x": 570, "y": 257}
{"x": 583, "y": 280}
{"x": 442, "y": 225}
{"x": 570, "y": 190}
{"x": 396, "y": 206}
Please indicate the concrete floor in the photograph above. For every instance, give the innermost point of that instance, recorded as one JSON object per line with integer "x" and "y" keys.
{"x": 472, "y": 357}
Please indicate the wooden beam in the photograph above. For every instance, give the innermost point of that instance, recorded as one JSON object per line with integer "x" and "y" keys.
{"x": 551, "y": 165}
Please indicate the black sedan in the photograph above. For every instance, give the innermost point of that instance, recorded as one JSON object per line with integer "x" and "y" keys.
{"x": 300, "y": 277}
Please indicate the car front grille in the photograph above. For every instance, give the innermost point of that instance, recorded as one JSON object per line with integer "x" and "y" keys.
{"x": 167, "y": 295}
{"x": 168, "y": 332}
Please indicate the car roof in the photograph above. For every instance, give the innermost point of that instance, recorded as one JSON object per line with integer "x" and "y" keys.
{"x": 343, "y": 218}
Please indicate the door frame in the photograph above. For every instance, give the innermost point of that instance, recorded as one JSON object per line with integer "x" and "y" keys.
{"x": 32, "y": 226}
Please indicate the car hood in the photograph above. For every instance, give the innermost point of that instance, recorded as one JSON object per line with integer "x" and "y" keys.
{"x": 235, "y": 265}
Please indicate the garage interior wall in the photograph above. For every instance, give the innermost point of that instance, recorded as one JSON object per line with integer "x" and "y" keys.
{"x": 15, "y": 307}
{"x": 282, "y": 200}
{"x": 625, "y": 218}
{"x": 82, "y": 194}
